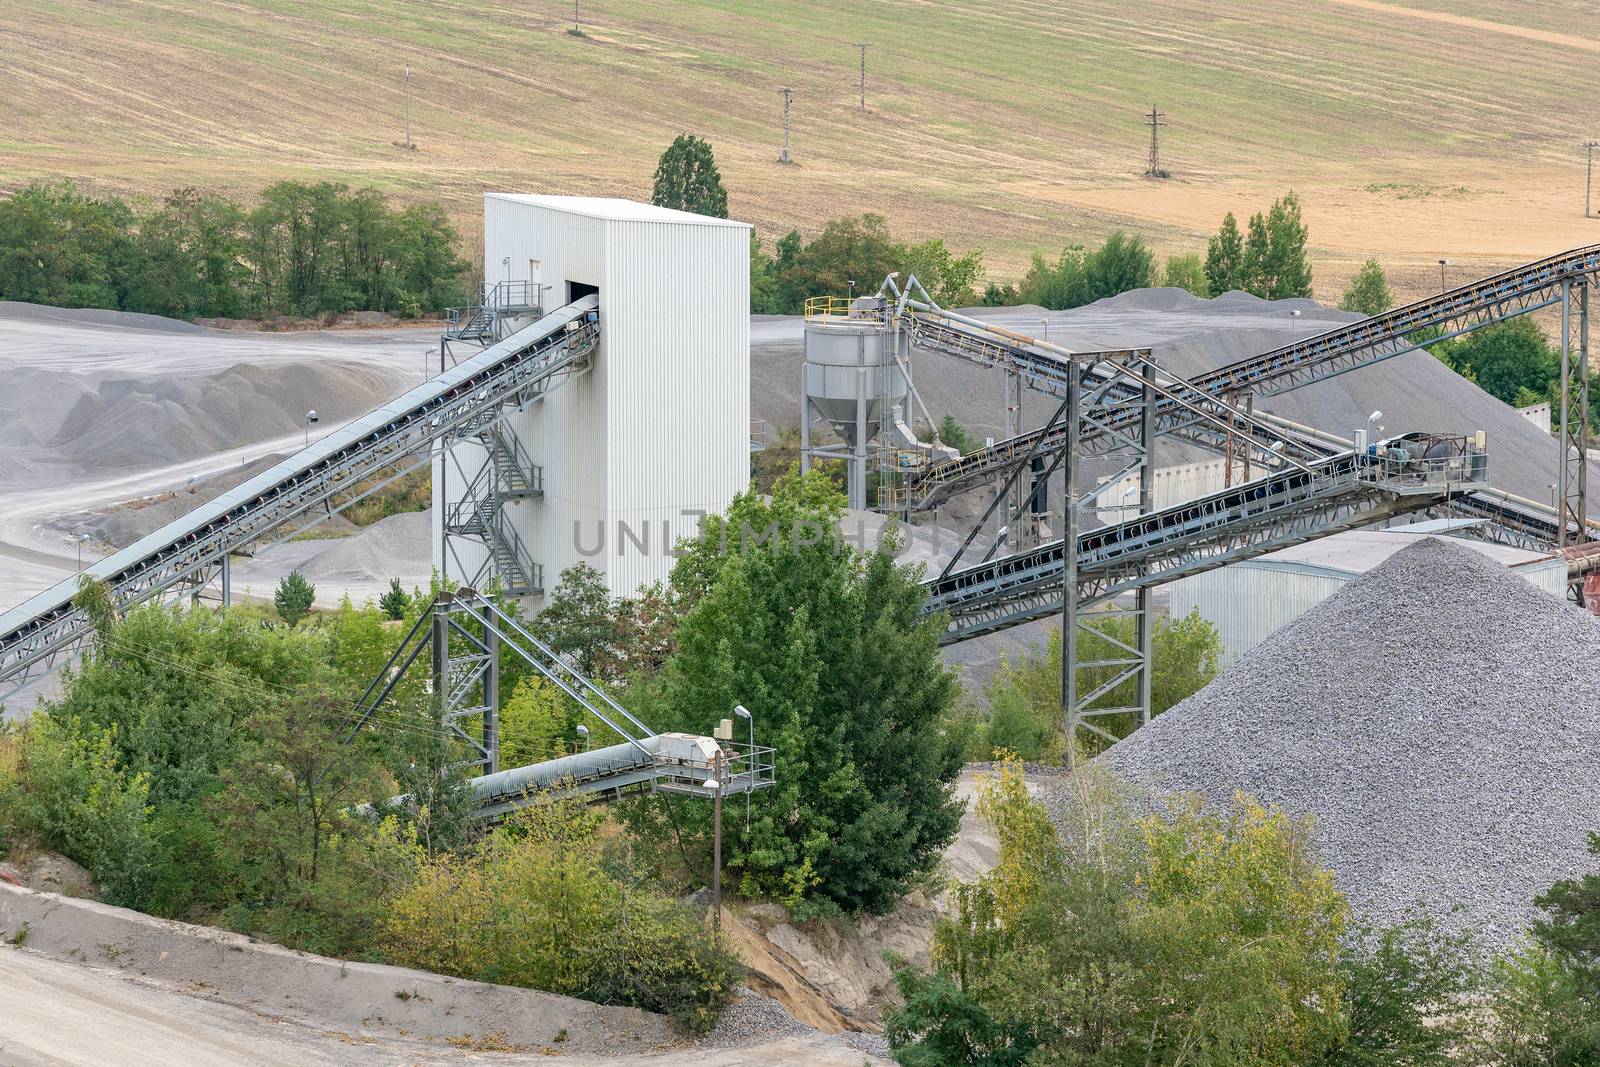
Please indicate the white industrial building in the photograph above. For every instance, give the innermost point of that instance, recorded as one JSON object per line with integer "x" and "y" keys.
{"x": 1247, "y": 602}
{"x": 655, "y": 432}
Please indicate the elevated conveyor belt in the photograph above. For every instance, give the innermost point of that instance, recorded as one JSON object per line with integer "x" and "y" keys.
{"x": 1342, "y": 491}
{"x": 331, "y": 474}
{"x": 1494, "y": 299}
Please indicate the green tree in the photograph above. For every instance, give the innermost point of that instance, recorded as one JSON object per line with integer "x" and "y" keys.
{"x": 192, "y": 258}
{"x": 1506, "y": 358}
{"x": 1368, "y": 293}
{"x": 1409, "y": 994}
{"x": 858, "y": 249}
{"x": 1064, "y": 285}
{"x": 1256, "y": 276}
{"x": 764, "y": 294}
{"x": 687, "y": 179}
{"x": 1122, "y": 264}
{"x": 579, "y": 621}
{"x": 1191, "y": 938}
{"x": 301, "y": 863}
{"x": 1570, "y": 928}
{"x": 394, "y": 602}
{"x": 293, "y": 597}
{"x": 1286, "y": 269}
{"x": 1225, "y": 262}
{"x": 60, "y": 247}
{"x": 827, "y": 646}
{"x": 542, "y": 905}
{"x": 949, "y": 279}
{"x": 955, "y": 435}
{"x": 1186, "y": 272}
{"x": 995, "y": 295}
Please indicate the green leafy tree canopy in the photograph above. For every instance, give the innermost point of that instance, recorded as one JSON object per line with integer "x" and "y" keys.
{"x": 687, "y": 179}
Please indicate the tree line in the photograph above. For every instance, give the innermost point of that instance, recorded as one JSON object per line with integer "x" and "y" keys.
{"x": 304, "y": 249}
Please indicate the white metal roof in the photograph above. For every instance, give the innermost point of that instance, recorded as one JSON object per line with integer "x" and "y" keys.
{"x": 1359, "y": 551}
{"x": 614, "y": 209}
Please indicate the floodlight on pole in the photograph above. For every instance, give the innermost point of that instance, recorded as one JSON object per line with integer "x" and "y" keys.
{"x": 583, "y": 732}
{"x": 312, "y": 418}
{"x": 750, "y": 761}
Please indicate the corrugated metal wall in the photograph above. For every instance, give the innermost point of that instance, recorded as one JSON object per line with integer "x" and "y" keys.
{"x": 676, "y": 302}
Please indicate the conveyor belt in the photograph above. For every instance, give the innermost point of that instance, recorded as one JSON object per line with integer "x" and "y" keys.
{"x": 373, "y": 449}
{"x": 1343, "y": 491}
{"x": 1494, "y": 299}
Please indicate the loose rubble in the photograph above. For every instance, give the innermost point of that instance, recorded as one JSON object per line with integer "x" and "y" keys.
{"x": 1436, "y": 716}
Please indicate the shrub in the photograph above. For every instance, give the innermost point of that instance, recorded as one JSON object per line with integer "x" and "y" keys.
{"x": 394, "y": 603}
{"x": 538, "y": 906}
{"x": 294, "y": 597}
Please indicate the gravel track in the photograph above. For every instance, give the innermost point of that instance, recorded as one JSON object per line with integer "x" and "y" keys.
{"x": 1436, "y": 716}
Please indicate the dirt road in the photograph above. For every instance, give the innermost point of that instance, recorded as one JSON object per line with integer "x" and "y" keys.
{"x": 60, "y": 1014}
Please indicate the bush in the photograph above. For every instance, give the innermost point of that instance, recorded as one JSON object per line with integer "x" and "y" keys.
{"x": 1192, "y": 939}
{"x": 294, "y": 597}
{"x": 82, "y": 800}
{"x": 538, "y": 907}
{"x": 395, "y": 602}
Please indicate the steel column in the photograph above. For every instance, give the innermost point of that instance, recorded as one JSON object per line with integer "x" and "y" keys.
{"x": 1144, "y": 599}
{"x": 1069, "y": 573}
{"x": 491, "y": 702}
{"x": 227, "y": 582}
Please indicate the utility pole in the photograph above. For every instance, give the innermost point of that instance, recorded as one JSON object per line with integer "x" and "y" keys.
{"x": 577, "y": 23}
{"x": 1588, "y": 181}
{"x": 788, "y": 96}
{"x": 408, "y": 107}
{"x": 1155, "y": 120}
{"x": 863, "y": 46}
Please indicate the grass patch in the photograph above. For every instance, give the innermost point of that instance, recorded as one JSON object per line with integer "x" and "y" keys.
{"x": 413, "y": 492}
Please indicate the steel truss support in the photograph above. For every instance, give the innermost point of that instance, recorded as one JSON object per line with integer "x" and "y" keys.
{"x": 465, "y": 635}
{"x": 1572, "y": 468}
{"x": 1102, "y": 674}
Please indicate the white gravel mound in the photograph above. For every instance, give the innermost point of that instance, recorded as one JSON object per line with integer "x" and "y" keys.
{"x": 397, "y": 547}
{"x": 1436, "y": 716}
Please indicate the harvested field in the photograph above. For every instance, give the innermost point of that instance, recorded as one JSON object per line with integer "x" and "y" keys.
{"x": 1412, "y": 134}
{"x": 1434, "y": 716}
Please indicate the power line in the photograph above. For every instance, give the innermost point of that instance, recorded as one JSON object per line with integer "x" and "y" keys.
{"x": 1588, "y": 181}
{"x": 1155, "y": 120}
{"x": 863, "y": 46}
{"x": 788, "y": 97}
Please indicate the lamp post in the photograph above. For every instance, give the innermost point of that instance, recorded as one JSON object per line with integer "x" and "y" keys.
{"x": 1443, "y": 263}
{"x": 714, "y": 784}
{"x": 78, "y": 539}
{"x": 750, "y": 765}
{"x": 583, "y": 732}
{"x": 312, "y": 418}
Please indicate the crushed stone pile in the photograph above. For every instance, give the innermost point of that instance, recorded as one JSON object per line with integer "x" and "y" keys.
{"x": 1438, "y": 717}
{"x": 754, "y": 1018}
{"x": 396, "y": 547}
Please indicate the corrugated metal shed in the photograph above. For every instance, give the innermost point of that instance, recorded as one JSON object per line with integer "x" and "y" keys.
{"x": 1247, "y": 602}
{"x": 657, "y": 433}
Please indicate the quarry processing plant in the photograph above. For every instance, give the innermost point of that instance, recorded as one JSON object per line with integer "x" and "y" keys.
{"x": 598, "y": 400}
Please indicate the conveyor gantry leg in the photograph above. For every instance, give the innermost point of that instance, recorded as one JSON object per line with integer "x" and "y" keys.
{"x": 1103, "y": 673}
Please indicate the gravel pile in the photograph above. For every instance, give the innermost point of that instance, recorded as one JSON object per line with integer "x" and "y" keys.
{"x": 1438, "y": 718}
{"x": 396, "y": 547}
{"x": 753, "y": 1018}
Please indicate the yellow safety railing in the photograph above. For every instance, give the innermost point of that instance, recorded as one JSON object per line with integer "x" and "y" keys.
{"x": 826, "y": 307}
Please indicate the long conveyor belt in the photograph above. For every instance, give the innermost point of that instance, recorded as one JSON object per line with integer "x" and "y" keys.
{"x": 326, "y": 476}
